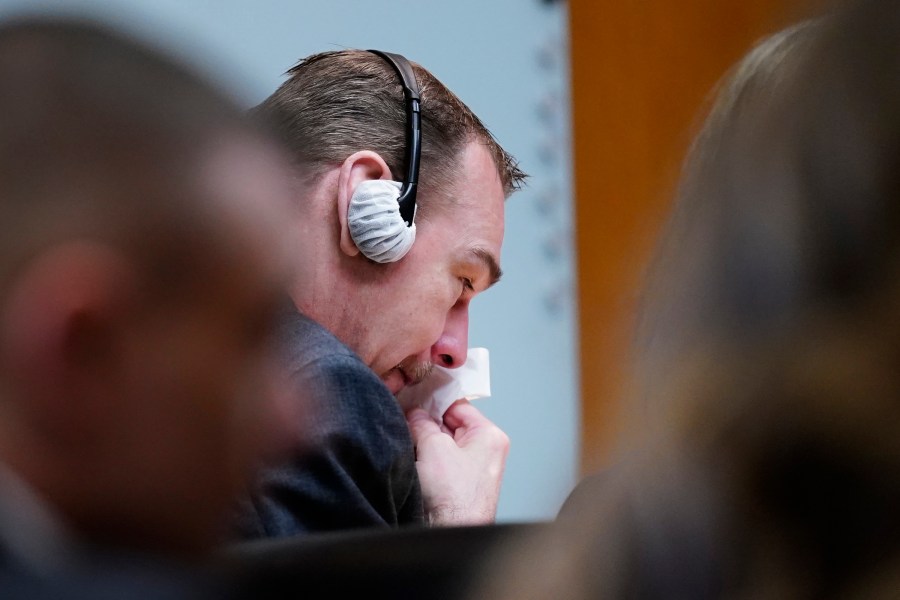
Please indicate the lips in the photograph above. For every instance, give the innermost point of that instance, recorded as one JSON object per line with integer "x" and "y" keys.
{"x": 396, "y": 379}
{"x": 406, "y": 374}
{"x": 404, "y": 377}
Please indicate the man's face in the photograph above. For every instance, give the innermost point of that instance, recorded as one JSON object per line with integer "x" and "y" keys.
{"x": 422, "y": 316}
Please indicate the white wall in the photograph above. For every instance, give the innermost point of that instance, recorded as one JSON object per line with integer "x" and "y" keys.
{"x": 507, "y": 60}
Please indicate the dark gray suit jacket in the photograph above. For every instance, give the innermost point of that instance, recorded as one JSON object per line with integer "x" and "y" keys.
{"x": 356, "y": 465}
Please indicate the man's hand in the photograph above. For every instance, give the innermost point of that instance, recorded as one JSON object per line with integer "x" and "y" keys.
{"x": 460, "y": 464}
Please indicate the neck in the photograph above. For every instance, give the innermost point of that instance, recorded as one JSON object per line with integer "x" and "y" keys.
{"x": 326, "y": 295}
{"x": 326, "y": 282}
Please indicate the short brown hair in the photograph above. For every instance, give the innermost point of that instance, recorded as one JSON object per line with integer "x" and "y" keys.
{"x": 336, "y": 103}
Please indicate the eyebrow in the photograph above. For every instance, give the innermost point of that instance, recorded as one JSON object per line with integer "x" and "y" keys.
{"x": 486, "y": 258}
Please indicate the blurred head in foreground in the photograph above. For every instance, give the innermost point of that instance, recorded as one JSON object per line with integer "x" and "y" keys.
{"x": 766, "y": 461}
{"x": 136, "y": 287}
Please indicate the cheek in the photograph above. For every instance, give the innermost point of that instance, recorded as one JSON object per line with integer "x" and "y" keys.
{"x": 429, "y": 326}
{"x": 432, "y": 311}
{"x": 404, "y": 328}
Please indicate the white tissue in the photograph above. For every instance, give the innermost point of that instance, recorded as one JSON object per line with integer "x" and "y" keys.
{"x": 443, "y": 386}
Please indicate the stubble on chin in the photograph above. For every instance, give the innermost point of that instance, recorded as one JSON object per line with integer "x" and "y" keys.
{"x": 409, "y": 372}
{"x": 416, "y": 371}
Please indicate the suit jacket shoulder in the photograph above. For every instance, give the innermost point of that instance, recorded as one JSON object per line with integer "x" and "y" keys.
{"x": 355, "y": 466}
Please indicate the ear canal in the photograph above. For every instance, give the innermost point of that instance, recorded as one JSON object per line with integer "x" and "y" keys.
{"x": 375, "y": 224}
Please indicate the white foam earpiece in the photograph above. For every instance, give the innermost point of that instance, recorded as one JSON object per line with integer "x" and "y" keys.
{"x": 375, "y": 224}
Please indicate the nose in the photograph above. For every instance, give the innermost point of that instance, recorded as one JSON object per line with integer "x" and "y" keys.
{"x": 452, "y": 346}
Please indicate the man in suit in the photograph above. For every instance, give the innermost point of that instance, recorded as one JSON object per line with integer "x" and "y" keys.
{"x": 367, "y": 322}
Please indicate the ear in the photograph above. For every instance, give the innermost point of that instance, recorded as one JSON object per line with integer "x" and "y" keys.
{"x": 58, "y": 330}
{"x": 355, "y": 169}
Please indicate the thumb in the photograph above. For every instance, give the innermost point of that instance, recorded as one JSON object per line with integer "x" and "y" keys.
{"x": 462, "y": 414}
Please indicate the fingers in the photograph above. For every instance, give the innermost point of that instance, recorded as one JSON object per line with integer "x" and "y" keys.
{"x": 460, "y": 473}
{"x": 421, "y": 425}
{"x": 464, "y": 420}
{"x": 471, "y": 428}
{"x": 462, "y": 414}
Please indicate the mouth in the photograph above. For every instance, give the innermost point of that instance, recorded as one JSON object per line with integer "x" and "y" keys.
{"x": 404, "y": 375}
{"x": 396, "y": 379}
{"x": 407, "y": 380}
